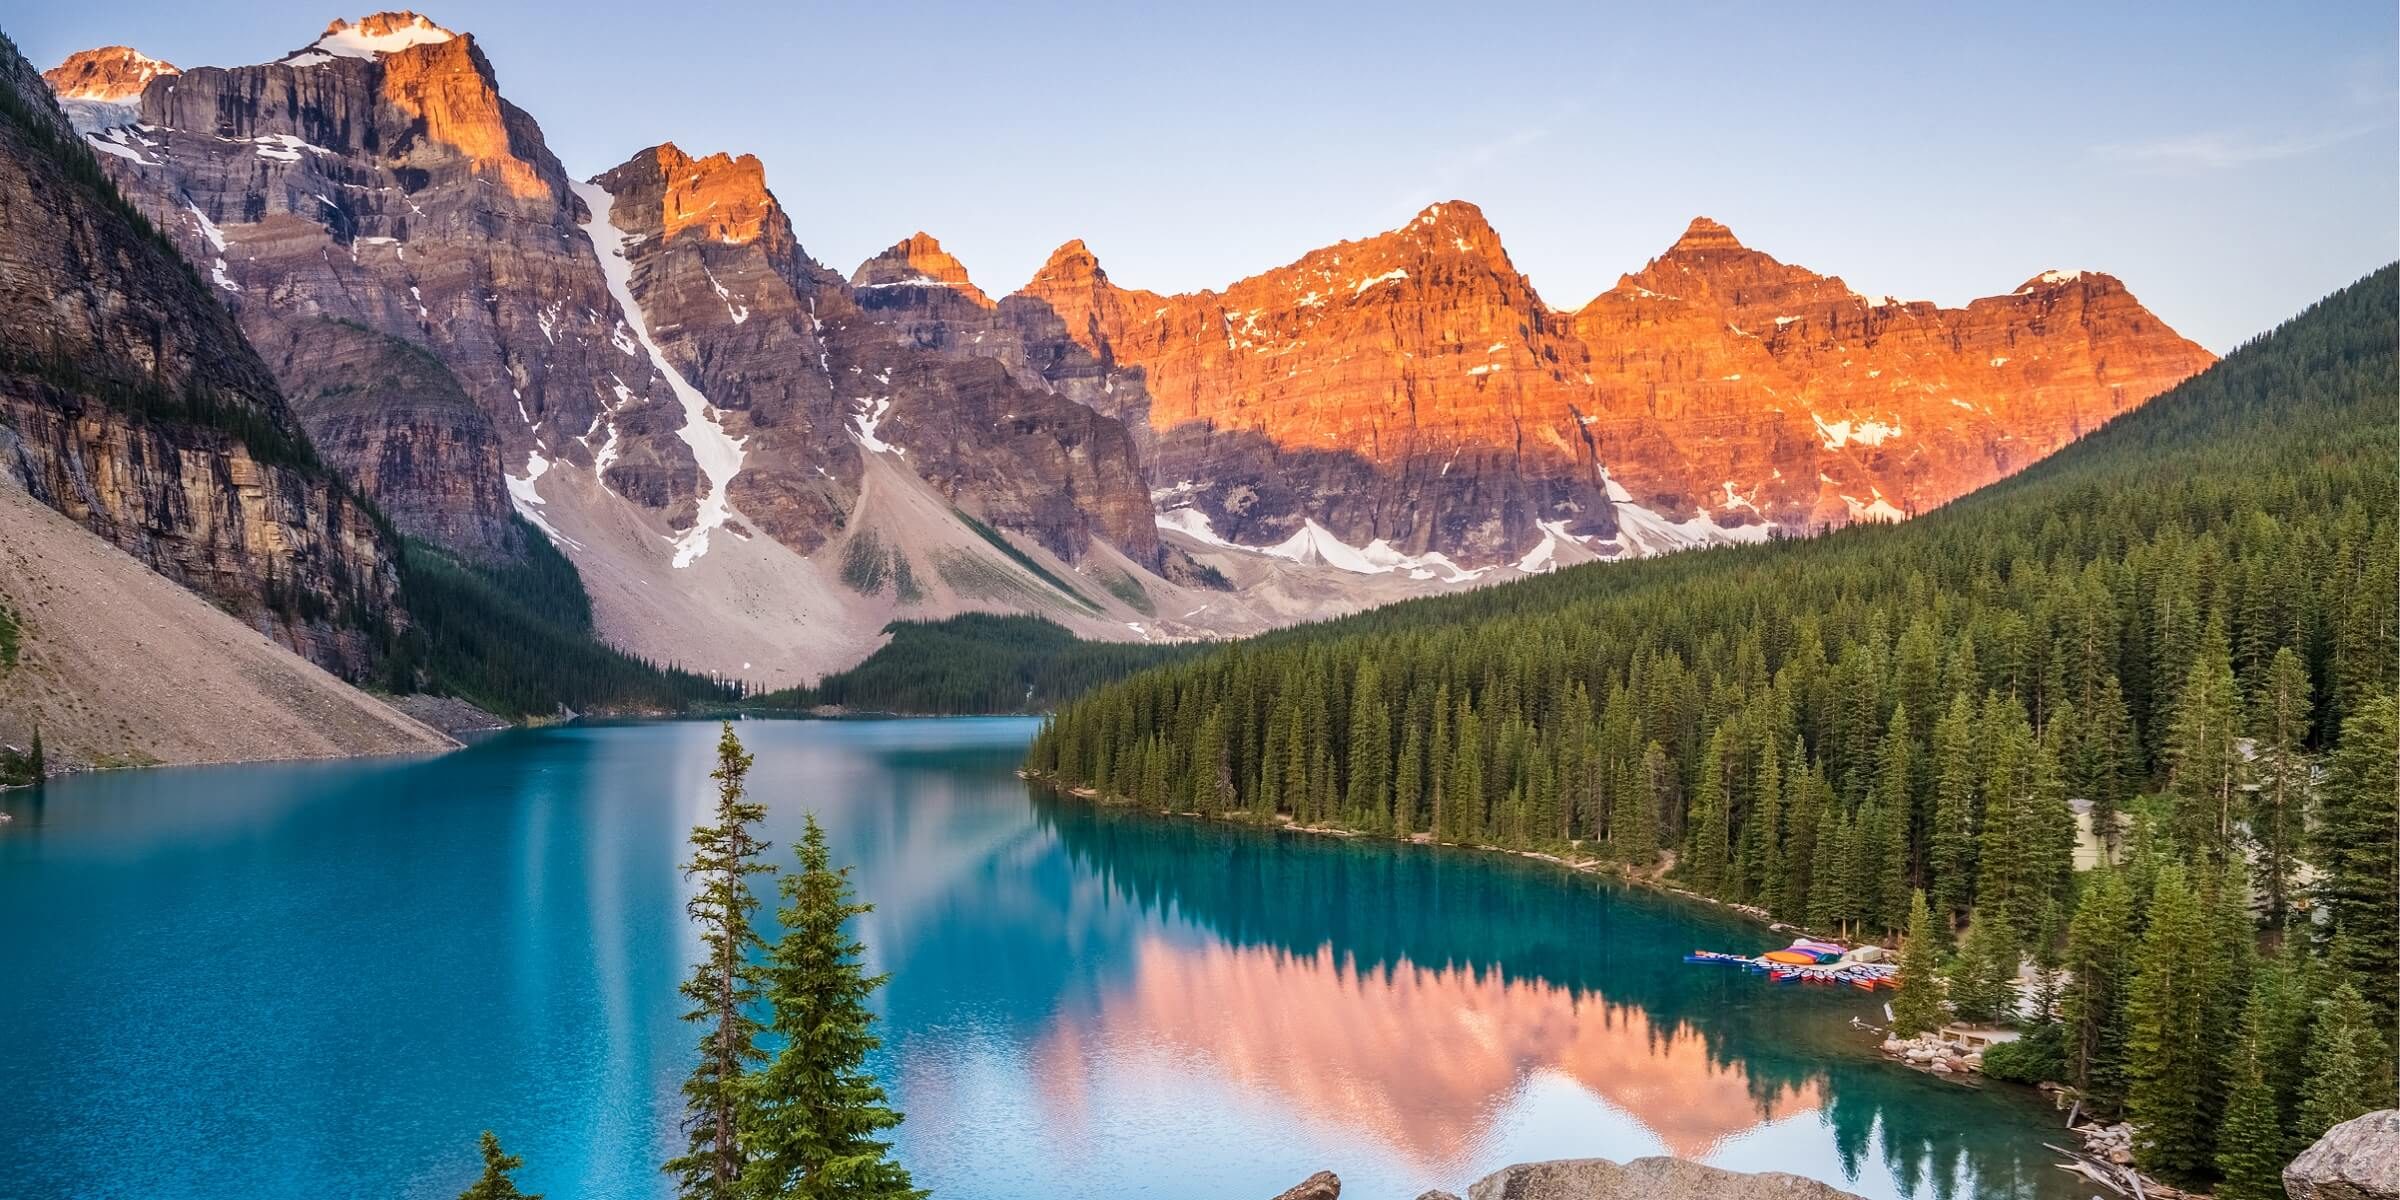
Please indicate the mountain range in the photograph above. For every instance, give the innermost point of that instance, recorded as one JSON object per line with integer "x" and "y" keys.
{"x": 755, "y": 462}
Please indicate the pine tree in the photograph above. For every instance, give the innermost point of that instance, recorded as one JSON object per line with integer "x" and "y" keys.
{"x": 2204, "y": 769}
{"x": 2168, "y": 1060}
{"x": 1704, "y": 856}
{"x": 1633, "y": 825}
{"x": 2357, "y": 856}
{"x": 1895, "y": 802}
{"x": 496, "y": 1182}
{"x": 2250, "y": 1141}
{"x": 724, "y": 984}
{"x": 1408, "y": 781}
{"x": 1983, "y": 980}
{"x": 1295, "y": 764}
{"x": 1370, "y": 746}
{"x": 2281, "y": 717}
{"x": 1952, "y": 868}
{"x": 1917, "y": 1005}
{"x": 816, "y": 1111}
{"x": 2099, "y": 963}
{"x": 2349, "y": 1066}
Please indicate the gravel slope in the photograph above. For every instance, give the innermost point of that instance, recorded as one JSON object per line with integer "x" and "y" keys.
{"x": 122, "y": 667}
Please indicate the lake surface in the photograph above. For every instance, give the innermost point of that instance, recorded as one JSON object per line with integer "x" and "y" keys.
{"x": 321, "y": 980}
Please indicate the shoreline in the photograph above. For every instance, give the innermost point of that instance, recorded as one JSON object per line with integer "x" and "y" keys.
{"x": 1593, "y": 866}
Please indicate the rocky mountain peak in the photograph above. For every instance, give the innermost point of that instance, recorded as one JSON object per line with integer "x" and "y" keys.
{"x": 724, "y": 197}
{"x": 371, "y": 36}
{"x": 1072, "y": 265}
{"x": 918, "y": 261}
{"x": 1705, "y": 234}
{"x": 109, "y": 73}
{"x": 2056, "y": 280}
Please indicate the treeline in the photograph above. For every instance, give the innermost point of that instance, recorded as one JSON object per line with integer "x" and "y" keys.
{"x": 517, "y": 640}
{"x": 976, "y": 663}
{"x": 2182, "y": 618}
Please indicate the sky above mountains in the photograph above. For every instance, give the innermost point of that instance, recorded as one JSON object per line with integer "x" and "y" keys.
{"x": 2231, "y": 163}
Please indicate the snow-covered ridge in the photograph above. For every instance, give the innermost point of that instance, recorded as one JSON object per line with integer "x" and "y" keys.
{"x": 392, "y": 32}
{"x": 718, "y": 453}
{"x": 1315, "y": 544}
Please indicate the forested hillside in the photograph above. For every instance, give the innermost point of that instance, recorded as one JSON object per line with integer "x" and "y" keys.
{"x": 2179, "y": 618}
{"x": 976, "y": 663}
{"x": 517, "y": 639}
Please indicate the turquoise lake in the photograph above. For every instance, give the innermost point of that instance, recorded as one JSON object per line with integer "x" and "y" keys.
{"x": 321, "y": 980}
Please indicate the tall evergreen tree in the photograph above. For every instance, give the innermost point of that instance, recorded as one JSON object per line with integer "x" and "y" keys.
{"x": 1953, "y": 839}
{"x": 2100, "y": 965}
{"x": 498, "y": 1179}
{"x": 1983, "y": 979}
{"x": 2250, "y": 1142}
{"x": 816, "y": 1111}
{"x": 2357, "y": 857}
{"x": 1917, "y": 1005}
{"x": 724, "y": 985}
{"x": 1370, "y": 748}
{"x": 2204, "y": 766}
{"x": 2281, "y": 717}
{"x": 2168, "y": 1058}
{"x": 2349, "y": 1066}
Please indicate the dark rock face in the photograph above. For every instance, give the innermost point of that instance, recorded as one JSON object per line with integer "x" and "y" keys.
{"x": 1644, "y": 1179}
{"x": 130, "y": 401}
{"x": 2355, "y": 1160}
{"x": 812, "y": 372}
{"x": 395, "y": 420}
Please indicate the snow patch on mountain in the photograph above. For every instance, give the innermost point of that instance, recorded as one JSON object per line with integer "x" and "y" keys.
{"x": 1838, "y": 434}
{"x": 718, "y": 453}
{"x": 345, "y": 40}
{"x": 1314, "y": 544}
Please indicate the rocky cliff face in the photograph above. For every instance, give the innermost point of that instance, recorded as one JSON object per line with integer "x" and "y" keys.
{"x": 809, "y": 372}
{"x": 1412, "y": 389}
{"x": 1409, "y": 389}
{"x": 377, "y": 177}
{"x": 130, "y": 402}
{"x": 397, "y": 422}
{"x": 1774, "y": 376}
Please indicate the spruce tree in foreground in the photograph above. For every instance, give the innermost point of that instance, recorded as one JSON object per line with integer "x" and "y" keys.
{"x": 2250, "y": 1141}
{"x": 1917, "y": 1006}
{"x": 816, "y": 1110}
{"x": 724, "y": 984}
{"x": 495, "y": 1183}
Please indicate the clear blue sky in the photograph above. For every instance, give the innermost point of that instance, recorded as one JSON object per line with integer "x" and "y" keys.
{"x": 2231, "y": 162}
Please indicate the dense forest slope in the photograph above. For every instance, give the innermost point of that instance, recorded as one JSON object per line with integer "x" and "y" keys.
{"x": 976, "y": 664}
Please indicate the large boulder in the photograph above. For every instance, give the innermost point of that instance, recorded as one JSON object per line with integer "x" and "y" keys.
{"x": 2355, "y": 1160}
{"x": 1644, "y": 1179}
{"x": 1324, "y": 1185}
